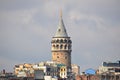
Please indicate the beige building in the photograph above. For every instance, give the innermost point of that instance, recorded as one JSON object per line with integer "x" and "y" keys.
{"x": 75, "y": 69}
{"x": 61, "y": 45}
{"x": 24, "y": 70}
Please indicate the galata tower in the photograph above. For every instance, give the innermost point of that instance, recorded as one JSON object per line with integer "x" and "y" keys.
{"x": 61, "y": 45}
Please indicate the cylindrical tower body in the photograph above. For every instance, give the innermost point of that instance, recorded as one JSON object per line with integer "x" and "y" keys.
{"x": 61, "y": 50}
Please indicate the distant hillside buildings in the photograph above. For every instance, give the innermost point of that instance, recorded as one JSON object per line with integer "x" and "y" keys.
{"x": 43, "y": 69}
{"x": 54, "y": 71}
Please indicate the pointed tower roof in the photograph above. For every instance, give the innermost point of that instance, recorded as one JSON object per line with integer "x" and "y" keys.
{"x": 61, "y": 31}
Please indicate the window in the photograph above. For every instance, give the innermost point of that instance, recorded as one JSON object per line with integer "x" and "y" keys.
{"x": 65, "y": 57}
{"x": 65, "y": 40}
{"x": 69, "y": 47}
{"x": 61, "y": 40}
{"x": 61, "y": 46}
{"x": 65, "y": 46}
{"x": 59, "y": 30}
{"x": 57, "y": 40}
{"x": 57, "y": 56}
{"x": 57, "y": 46}
{"x": 70, "y": 41}
{"x": 53, "y": 46}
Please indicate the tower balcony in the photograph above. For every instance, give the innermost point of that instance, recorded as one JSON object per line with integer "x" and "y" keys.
{"x": 61, "y": 50}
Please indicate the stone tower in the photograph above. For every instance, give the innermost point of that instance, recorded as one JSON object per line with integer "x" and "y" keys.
{"x": 61, "y": 45}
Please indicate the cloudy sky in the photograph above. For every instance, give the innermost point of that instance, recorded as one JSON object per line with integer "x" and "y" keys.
{"x": 27, "y": 27}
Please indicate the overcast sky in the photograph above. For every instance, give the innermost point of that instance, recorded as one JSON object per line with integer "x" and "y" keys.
{"x": 27, "y": 27}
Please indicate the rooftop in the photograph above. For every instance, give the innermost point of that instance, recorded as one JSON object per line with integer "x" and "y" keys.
{"x": 61, "y": 31}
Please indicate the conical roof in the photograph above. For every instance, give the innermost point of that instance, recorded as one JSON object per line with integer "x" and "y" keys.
{"x": 61, "y": 31}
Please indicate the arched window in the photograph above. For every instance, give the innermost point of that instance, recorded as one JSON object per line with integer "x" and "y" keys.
{"x": 69, "y": 47}
{"x": 61, "y": 46}
{"x": 57, "y": 40}
{"x": 69, "y": 41}
{"x": 53, "y": 46}
{"x": 65, "y": 57}
{"x": 65, "y": 47}
{"x": 59, "y": 30}
{"x": 65, "y": 40}
{"x": 61, "y": 40}
{"x": 61, "y": 69}
{"x": 57, "y": 46}
{"x": 57, "y": 56}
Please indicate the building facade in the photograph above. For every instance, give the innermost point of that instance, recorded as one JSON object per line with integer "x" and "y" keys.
{"x": 24, "y": 70}
{"x": 110, "y": 67}
{"x": 75, "y": 69}
{"x": 61, "y": 45}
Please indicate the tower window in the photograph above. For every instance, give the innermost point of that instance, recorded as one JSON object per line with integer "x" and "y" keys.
{"x": 69, "y": 41}
{"x": 66, "y": 57}
{"x": 61, "y": 69}
{"x": 57, "y": 40}
{"x": 65, "y": 46}
{"x": 53, "y": 46}
{"x": 64, "y": 74}
{"x": 61, "y": 46}
{"x": 59, "y": 30}
{"x": 69, "y": 47}
{"x": 65, "y": 40}
{"x": 57, "y": 46}
{"x": 61, "y": 40}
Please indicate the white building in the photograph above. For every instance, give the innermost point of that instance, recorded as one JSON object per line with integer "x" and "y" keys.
{"x": 110, "y": 67}
{"x": 75, "y": 69}
{"x": 49, "y": 68}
